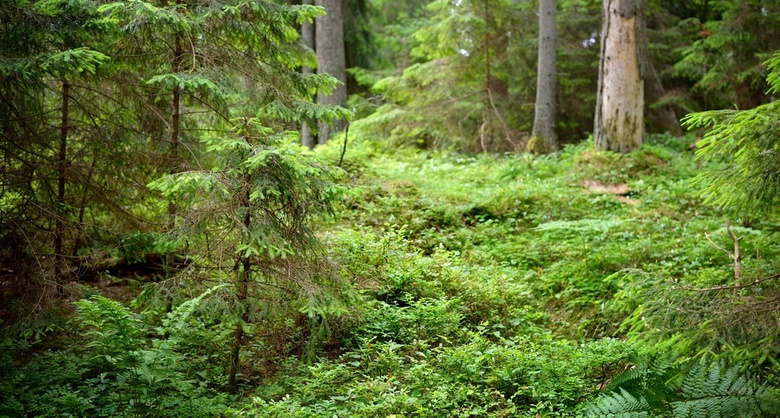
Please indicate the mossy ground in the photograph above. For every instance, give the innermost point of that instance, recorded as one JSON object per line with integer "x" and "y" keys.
{"x": 516, "y": 285}
{"x": 473, "y": 285}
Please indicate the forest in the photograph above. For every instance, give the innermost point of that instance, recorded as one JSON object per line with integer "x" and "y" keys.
{"x": 389, "y": 208}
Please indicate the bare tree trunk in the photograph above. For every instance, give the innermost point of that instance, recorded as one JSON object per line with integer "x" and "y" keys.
{"x": 486, "y": 117}
{"x": 543, "y": 133}
{"x": 81, "y": 234}
{"x": 619, "y": 119}
{"x": 329, "y": 36}
{"x": 238, "y": 336}
{"x": 307, "y": 37}
{"x": 178, "y": 57}
{"x": 59, "y": 222}
{"x": 242, "y": 288}
{"x": 662, "y": 116}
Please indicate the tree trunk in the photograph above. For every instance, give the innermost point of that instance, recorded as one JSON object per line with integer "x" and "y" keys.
{"x": 238, "y": 336}
{"x": 307, "y": 37}
{"x": 662, "y": 117}
{"x": 486, "y": 118}
{"x": 331, "y": 57}
{"x": 619, "y": 119}
{"x": 543, "y": 133}
{"x": 59, "y": 222}
{"x": 242, "y": 290}
{"x": 81, "y": 234}
{"x": 178, "y": 57}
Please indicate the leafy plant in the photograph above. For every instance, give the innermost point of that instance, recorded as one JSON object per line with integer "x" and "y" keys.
{"x": 749, "y": 139}
{"x": 117, "y": 370}
{"x": 657, "y": 388}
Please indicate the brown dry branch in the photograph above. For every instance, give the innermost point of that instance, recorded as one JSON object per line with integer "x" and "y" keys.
{"x": 735, "y": 255}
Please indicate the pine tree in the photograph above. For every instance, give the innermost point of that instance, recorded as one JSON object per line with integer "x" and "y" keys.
{"x": 748, "y": 140}
{"x": 50, "y": 53}
{"x": 457, "y": 89}
{"x": 307, "y": 38}
{"x": 724, "y": 60}
{"x": 249, "y": 200}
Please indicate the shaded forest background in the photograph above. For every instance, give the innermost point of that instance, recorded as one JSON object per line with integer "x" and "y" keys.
{"x": 169, "y": 248}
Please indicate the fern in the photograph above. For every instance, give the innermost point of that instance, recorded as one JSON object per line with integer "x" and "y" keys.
{"x": 114, "y": 332}
{"x": 177, "y": 323}
{"x": 711, "y": 391}
{"x": 619, "y": 405}
{"x": 706, "y": 391}
{"x": 652, "y": 378}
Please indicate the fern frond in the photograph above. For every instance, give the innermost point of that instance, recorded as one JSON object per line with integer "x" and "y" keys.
{"x": 707, "y": 390}
{"x": 632, "y": 378}
{"x": 619, "y": 405}
{"x": 714, "y": 391}
{"x": 653, "y": 378}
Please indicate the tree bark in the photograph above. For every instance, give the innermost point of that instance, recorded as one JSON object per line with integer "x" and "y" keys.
{"x": 242, "y": 291}
{"x": 619, "y": 119}
{"x": 662, "y": 117}
{"x": 331, "y": 57}
{"x": 59, "y": 222}
{"x": 307, "y": 37}
{"x": 178, "y": 58}
{"x": 242, "y": 288}
{"x": 543, "y": 133}
{"x": 486, "y": 118}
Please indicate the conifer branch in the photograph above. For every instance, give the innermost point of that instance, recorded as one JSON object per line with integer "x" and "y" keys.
{"x": 735, "y": 286}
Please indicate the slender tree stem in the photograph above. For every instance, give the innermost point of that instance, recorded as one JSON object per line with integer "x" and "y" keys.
{"x": 242, "y": 290}
{"x": 344, "y": 145}
{"x": 61, "y": 162}
{"x": 487, "y": 117}
{"x": 178, "y": 56}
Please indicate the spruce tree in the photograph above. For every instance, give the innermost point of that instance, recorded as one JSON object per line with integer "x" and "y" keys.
{"x": 248, "y": 195}
{"x": 49, "y": 51}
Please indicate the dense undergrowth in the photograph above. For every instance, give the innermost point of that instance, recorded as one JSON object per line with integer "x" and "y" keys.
{"x": 479, "y": 286}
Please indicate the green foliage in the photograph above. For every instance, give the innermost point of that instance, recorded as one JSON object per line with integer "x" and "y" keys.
{"x": 649, "y": 377}
{"x": 731, "y": 41}
{"x": 510, "y": 377}
{"x": 432, "y": 320}
{"x": 620, "y": 405}
{"x": 469, "y": 285}
{"x": 423, "y": 283}
{"x": 468, "y": 71}
{"x": 447, "y": 79}
{"x": 748, "y": 141}
{"x": 118, "y": 371}
{"x": 705, "y": 390}
{"x": 114, "y": 333}
{"x": 136, "y": 247}
{"x": 286, "y": 189}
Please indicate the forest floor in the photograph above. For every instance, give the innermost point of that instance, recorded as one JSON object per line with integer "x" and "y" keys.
{"x": 471, "y": 286}
{"x": 519, "y": 285}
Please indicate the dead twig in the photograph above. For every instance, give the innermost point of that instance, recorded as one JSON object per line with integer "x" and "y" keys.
{"x": 735, "y": 255}
{"x": 344, "y": 145}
